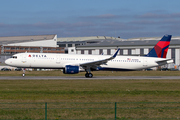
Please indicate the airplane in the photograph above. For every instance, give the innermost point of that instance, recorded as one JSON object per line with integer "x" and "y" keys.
{"x": 72, "y": 64}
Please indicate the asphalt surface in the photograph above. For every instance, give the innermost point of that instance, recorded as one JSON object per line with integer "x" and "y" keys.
{"x": 83, "y": 78}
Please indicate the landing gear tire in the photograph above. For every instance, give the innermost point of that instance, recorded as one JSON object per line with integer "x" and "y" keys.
{"x": 88, "y": 75}
{"x": 23, "y": 74}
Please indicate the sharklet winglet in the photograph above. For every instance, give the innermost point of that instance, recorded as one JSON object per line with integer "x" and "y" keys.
{"x": 116, "y": 53}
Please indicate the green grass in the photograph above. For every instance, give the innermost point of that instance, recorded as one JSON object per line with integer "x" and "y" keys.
{"x": 136, "y": 99}
{"x": 95, "y": 73}
{"x": 88, "y": 91}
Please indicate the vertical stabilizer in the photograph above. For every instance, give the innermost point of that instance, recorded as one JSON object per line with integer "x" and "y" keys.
{"x": 161, "y": 48}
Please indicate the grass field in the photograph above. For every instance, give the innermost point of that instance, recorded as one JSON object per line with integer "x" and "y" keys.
{"x": 89, "y": 91}
{"x": 95, "y": 73}
{"x": 136, "y": 99}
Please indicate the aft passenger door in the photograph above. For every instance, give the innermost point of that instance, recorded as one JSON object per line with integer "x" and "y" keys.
{"x": 145, "y": 62}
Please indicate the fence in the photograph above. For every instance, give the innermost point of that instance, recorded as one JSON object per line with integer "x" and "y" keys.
{"x": 93, "y": 111}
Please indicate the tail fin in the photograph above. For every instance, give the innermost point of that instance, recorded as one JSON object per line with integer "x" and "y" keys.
{"x": 161, "y": 48}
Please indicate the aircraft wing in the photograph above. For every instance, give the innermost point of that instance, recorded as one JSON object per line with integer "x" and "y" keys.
{"x": 95, "y": 64}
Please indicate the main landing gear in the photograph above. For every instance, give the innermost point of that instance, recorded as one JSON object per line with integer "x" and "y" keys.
{"x": 88, "y": 73}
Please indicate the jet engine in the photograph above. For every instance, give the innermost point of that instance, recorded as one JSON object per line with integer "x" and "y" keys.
{"x": 69, "y": 69}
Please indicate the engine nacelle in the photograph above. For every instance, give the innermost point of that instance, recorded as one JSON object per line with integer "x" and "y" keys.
{"x": 69, "y": 69}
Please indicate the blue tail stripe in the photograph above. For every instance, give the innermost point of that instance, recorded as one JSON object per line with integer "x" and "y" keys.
{"x": 163, "y": 51}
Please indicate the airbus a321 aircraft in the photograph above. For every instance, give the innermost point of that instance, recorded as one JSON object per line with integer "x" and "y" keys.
{"x": 72, "y": 64}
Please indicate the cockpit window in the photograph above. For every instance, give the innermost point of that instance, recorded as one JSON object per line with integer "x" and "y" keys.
{"x": 14, "y": 57}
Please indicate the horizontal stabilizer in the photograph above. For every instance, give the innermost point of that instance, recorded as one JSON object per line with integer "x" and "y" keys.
{"x": 166, "y": 61}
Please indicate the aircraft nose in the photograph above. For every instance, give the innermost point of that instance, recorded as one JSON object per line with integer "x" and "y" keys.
{"x": 7, "y": 62}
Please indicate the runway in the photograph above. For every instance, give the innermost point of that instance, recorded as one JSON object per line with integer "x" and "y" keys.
{"x": 94, "y": 78}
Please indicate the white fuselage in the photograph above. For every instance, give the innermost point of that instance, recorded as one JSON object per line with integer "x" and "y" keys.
{"x": 59, "y": 61}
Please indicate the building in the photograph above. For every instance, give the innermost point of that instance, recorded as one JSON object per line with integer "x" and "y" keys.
{"x": 71, "y": 44}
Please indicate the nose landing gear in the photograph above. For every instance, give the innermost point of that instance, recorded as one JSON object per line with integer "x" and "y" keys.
{"x": 23, "y": 72}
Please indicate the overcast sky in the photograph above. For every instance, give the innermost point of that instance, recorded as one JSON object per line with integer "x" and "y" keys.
{"x": 79, "y": 18}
